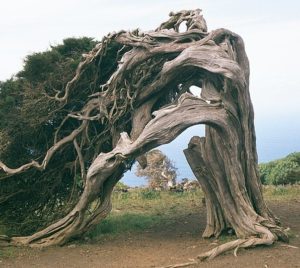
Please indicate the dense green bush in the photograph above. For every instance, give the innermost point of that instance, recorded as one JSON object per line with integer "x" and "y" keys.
{"x": 282, "y": 171}
{"x": 28, "y": 120}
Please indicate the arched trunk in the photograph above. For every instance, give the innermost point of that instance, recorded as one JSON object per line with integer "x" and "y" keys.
{"x": 108, "y": 168}
{"x": 148, "y": 96}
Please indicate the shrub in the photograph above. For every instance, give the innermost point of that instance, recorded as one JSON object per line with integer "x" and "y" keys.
{"x": 282, "y": 171}
{"x": 150, "y": 194}
{"x": 265, "y": 170}
{"x": 32, "y": 200}
{"x": 121, "y": 187}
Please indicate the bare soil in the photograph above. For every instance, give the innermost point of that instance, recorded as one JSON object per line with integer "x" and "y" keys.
{"x": 164, "y": 245}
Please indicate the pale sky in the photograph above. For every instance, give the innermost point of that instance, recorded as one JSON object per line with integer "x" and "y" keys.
{"x": 270, "y": 29}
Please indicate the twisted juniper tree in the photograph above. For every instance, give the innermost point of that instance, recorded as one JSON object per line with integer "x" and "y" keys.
{"x": 139, "y": 99}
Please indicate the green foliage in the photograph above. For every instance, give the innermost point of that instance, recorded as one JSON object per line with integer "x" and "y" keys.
{"x": 28, "y": 121}
{"x": 75, "y": 46}
{"x": 10, "y": 97}
{"x": 282, "y": 171}
{"x": 265, "y": 170}
{"x": 56, "y": 63}
{"x": 39, "y": 66}
{"x": 32, "y": 121}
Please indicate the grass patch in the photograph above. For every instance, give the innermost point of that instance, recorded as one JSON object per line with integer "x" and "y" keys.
{"x": 281, "y": 193}
{"x": 119, "y": 224}
{"x": 225, "y": 238}
{"x": 142, "y": 209}
{"x": 7, "y": 252}
{"x": 141, "y": 200}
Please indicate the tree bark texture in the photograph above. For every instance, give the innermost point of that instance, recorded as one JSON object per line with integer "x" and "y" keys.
{"x": 148, "y": 96}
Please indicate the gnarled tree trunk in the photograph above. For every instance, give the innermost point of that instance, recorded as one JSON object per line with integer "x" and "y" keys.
{"x": 148, "y": 96}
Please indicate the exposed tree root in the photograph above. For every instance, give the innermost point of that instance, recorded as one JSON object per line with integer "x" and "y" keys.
{"x": 265, "y": 237}
{"x": 236, "y": 244}
{"x": 232, "y": 245}
{"x": 290, "y": 246}
{"x": 177, "y": 265}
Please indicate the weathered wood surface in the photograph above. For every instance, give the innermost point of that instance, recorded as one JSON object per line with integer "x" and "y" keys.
{"x": 148, "y": 96}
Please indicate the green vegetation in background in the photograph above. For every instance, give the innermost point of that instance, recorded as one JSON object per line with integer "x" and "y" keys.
{"x": 121, "y": 187}
{"x": 281, "y": 171}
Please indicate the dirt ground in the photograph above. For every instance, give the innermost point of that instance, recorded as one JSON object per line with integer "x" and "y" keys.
{"x": 169, "y": 244}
